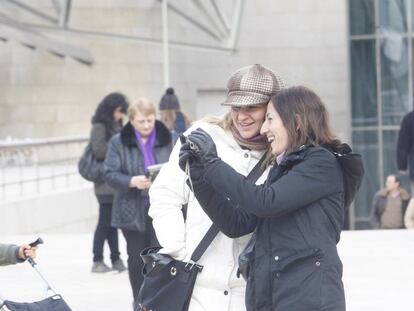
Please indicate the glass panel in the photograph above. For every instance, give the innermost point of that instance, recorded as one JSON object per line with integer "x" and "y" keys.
{"x": 362, "y": 17}
{"x": 366, "y": 143}
{"x": 363, "y": 80}
{"x": 392, "y": 15}
{"x": 394, "y": 79}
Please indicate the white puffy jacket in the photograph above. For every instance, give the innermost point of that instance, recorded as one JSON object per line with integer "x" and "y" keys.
{"x": 217, "y": 286}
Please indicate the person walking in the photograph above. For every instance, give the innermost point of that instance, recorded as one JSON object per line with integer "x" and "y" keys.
{"x": 142, "y": 142}
{"x": 297, "y": 215}
{"x": 389, "y": 205}
{"x": 171, "y": 115}
{"x": 239, "y": 144}
{"x": 405, "y": 148}
{"x": 106, "y": 122}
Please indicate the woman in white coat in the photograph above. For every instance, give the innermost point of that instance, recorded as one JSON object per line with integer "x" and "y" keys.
{"x": 239, "y": 143}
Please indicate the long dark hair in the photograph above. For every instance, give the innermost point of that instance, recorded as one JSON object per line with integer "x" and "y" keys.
{"x": 305, "y": 118}
{"x": 104, "y": 113}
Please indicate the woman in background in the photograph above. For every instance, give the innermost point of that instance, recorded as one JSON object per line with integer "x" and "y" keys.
{"x": 106, "y": 122}
{"x": 142, "y": 142}
{"x": 172, "y": 116}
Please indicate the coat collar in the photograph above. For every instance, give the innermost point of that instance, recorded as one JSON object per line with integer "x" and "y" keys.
{"x": 403, "y": 193}
{"x": 163, "y": 137}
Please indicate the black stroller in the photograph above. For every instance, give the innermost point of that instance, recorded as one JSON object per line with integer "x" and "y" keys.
{"x": 51, "y": 303}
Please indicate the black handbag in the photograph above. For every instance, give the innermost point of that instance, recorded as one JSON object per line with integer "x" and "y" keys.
{"x": 89, "y": 167}
{"x": 168, "y": 283}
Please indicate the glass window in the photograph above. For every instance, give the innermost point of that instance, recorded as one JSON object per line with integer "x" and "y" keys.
{"x": 362, "y": 17}
{"x": 392, "y": 16}
{"x": 363, "y": 83}
{"x": 366, "y": 143}
{"x": 394, "y": 79}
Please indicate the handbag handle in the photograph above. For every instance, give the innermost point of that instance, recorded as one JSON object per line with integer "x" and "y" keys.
{"x": 212, "y": 232}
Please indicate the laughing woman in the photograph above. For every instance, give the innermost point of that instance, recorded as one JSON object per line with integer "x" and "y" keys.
{"x": 297, "y": 214}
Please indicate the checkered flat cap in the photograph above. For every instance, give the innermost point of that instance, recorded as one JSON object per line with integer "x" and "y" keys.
{"x": 252, "y": 85}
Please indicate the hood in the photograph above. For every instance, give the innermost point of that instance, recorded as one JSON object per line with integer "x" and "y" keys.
{"x": 352, "y": 170}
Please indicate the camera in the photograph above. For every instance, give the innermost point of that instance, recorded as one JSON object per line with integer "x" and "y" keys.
{"x": 184, "y": 139}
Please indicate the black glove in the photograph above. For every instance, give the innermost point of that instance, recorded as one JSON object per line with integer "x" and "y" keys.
{"x": 205, "y": 147}
{"x": 186, "y": 154}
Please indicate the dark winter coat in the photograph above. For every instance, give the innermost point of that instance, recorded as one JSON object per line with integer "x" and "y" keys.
{"x": 124, "y": 160}
{"x": 99, "y": 138}
{"x": 405, "y": 146}
{"x": 298, "y": 216}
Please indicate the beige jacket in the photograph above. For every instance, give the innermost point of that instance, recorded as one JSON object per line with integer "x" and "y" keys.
{"x": 409, "y": 215}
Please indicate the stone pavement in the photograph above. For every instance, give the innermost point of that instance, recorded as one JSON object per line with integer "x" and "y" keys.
{"x": 378, "y": 272}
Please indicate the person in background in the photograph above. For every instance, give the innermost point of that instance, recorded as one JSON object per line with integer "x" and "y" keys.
{"x": 106, "y": 122}
{"x": 405, "y": 148}
{"x": 142, "y": 142}
{"x": 239, "y": 144}
{"x": 171, "y": 115}
{"x": 297, "y": 215}
{"x": 409, "y": 215}
{"x": 389, "y": 205}
{"x": 11, "y": 254}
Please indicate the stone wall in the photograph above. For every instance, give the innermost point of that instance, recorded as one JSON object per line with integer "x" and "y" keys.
{"x": 42, "y": 95}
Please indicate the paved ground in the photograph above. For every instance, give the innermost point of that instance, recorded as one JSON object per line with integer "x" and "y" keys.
{"x": 378, "y": 273}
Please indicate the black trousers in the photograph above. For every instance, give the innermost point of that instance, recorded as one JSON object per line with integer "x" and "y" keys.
{"x": 136, "y": 241}
{"x": 104, "y": 232}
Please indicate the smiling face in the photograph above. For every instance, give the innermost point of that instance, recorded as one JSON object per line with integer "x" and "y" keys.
{"x": 275, "y": 131}
{"x": 248, "y": 119}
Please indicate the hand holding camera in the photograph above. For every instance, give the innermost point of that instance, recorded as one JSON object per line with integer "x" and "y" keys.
{"x": 198, "y": 150}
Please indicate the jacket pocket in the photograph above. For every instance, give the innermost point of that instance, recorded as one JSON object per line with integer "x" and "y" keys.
{"x": 297, "y": 280}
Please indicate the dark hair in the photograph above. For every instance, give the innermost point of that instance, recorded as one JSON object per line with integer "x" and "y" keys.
{"x": 396, "y": 178}
{"x": 305, "y": 118}
{"x": 104, "y": 113}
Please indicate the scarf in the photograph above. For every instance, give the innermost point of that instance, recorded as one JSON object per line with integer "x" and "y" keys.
{"x": 258, "y": 142}
{"x": 147, "y": 148}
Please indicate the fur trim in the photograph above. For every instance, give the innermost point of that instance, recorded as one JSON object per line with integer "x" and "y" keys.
{"x": 163, "y": 135}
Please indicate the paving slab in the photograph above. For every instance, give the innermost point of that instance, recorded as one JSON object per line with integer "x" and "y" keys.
{"x": 378, "y": 272}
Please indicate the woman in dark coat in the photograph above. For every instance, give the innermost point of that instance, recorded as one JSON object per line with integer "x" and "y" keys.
{"x": 106, "y": 122}
{"x": 297, "y": 215}
{"x": 142, "y": 142}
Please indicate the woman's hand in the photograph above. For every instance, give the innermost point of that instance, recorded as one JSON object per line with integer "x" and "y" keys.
{"x": 187, "y": 155}
{"x": 26, "y": 251}
{"x": 140, "y": 181}
{"x": 205, "y": 147}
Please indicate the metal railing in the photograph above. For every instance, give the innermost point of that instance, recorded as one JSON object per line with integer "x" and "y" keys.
{"x": 39, "y": 166}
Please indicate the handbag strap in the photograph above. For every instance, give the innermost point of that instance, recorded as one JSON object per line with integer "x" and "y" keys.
{"x": 212, "y": 232}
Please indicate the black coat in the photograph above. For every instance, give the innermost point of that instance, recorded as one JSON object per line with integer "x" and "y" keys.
{"x": 100, "y": 135}
{"x": 405, "y": 146}
{"x": 123, "y": 161}
{"x": 298, "y": 216}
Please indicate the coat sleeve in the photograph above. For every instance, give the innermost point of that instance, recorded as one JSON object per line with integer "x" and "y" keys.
{"x": 232, "y": 220}
{"x": 98, "y": 141}
{"x": 168, "y": 194}
{"x": 317, "y": 176}
{"x": 112, "y": 166}
{"x": 409, "y": 215}
{"x": 404, "y": 143}
{"x": 9, "y": 254}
